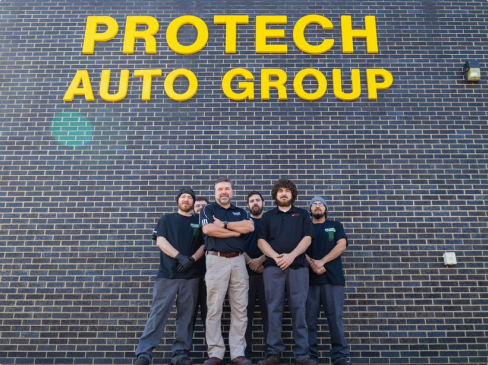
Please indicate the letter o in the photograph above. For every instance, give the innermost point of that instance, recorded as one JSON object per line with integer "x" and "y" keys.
{"x": 172, "y": 34}
{"x": 170, "y": 79}
{"x": 298, "y": 84}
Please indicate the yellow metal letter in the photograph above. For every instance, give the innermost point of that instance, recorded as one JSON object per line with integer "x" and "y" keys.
{"x": 373, "y": 86}
{"x": 279, "y": 84}
{"x": 91, "y": 35}
{"x": 299, "y": 36}
{"x": 147, "y": 76}
{"x": 75, "y": 89}
{"x": 262, "y": 34}
{"x": 248, "y": 87}
{"x": 131, "y": 33}
{"x": 105, "y": 84}
{"x": 192, "y": 87}
{"x": 172, "y": 34}
{"x": 369, "y": 33}
{"x": 356, "y": 85}
{"x": 298, "y": 84}
{"x": 231, "y": 22}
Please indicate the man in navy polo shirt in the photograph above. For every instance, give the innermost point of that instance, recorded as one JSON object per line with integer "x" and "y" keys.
{"x": 180, "y": 240}
{"x": 327, "y": 281}
{"x": 224, "y": 227}
{"x": 255, "y": 260}
{"x": 284, "y": 235}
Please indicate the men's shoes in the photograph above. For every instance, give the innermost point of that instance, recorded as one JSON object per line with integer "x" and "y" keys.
{"x": 307, "y": 361}
{"x": 241, "y": 360}
{"x": 141, "y": 360}
{"x": 343, "y": 362}
{"x": 183, "y": 361}
{"x": 213, "y": 361}
{"x": 270, "y": 360}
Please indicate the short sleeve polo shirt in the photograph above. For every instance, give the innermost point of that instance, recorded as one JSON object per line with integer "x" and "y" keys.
{"x": 185, "y": 235}
{"x": 231, "y": 214}
{"x": 284, "y": 231}
{"x": 324, "y": 239}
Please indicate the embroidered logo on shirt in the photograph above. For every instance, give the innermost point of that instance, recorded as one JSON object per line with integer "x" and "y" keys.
{"x": 236, "y": 213}
{"x": 195, "y": 229}
{"x": 331, "y": 232}
{"x": 295, "y": 215}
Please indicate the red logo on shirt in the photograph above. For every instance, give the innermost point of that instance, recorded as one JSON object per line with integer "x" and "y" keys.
{"x": 295, "y": 215}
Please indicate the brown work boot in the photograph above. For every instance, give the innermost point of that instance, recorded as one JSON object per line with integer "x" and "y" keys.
{"x": 241, "y": 360}
{"x": 270, "y": 360}
{"x": 213, "y": 361}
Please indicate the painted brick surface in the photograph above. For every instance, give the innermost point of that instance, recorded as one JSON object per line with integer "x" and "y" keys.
{"x": 406, "y": 174}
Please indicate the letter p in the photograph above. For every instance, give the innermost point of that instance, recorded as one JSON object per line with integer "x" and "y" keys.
{"x": 91, "y": 35}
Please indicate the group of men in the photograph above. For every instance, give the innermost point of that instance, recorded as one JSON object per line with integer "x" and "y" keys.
{"x": 210, "y": 251}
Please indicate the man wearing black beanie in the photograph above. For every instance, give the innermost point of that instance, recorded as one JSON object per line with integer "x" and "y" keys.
{"x": 180, "y": 240}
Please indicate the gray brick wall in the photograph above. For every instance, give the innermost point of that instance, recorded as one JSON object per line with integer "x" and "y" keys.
{"x": 406, "y": 174}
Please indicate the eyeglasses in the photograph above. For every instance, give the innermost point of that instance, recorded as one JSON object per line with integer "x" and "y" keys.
{"x": 318, "y": 204}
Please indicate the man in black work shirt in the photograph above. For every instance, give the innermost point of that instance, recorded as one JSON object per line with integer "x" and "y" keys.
{"x": 224, "y": 226}
{"x": 327, "y": 282}
{"x": 284, "y": 235}
{"x": 180, "y": 240}
{"x": 255, "y": 260}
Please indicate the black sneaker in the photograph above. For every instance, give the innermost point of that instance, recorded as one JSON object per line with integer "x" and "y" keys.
{"x": 307, "y": 361}
{"x": 183, "y": 361}
{"x": 270, "y": 360}
{"x": 141, "y": 360}
{"x": 343, "y": 362}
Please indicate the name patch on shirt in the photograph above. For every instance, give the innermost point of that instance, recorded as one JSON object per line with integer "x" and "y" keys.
{"x": 236, "y": 213}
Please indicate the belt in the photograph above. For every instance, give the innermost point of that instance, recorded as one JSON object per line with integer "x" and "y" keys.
{"x": 227, "y": 255}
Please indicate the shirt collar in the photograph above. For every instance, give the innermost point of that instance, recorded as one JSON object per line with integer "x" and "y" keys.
{"x": 293, "y": 209}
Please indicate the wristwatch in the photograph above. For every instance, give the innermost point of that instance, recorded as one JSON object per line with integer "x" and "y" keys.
{"x": 225, "y": 224}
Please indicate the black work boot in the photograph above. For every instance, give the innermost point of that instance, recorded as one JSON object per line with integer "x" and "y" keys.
{"x": 271, "y": 360}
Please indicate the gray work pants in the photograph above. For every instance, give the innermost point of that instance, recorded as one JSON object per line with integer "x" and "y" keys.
{"x": 293, "y": 282}
{"x": 166, "y": 291}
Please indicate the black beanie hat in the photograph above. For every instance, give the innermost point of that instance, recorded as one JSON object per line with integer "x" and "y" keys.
{"x": 185, "y": 191}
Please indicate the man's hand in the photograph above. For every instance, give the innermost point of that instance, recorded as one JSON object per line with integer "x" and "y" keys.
{"x": 256, "y": 264}
{"x": 317, "y": 267}
{"x": 184, "y": 262}
{"x": 218, "y": 222}
{"x": 285, "y": 260}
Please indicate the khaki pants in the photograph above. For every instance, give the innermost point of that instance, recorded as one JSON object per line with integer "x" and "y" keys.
{"x": 226, "y": 275}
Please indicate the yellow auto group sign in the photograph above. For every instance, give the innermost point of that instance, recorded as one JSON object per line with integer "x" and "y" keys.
{"x": 271, "y": 78}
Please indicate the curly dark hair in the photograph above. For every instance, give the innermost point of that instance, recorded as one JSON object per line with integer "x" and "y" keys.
{"x": 287, "y": 184}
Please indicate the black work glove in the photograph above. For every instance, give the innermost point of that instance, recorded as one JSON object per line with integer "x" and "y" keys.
{"x": 184, "y": 262}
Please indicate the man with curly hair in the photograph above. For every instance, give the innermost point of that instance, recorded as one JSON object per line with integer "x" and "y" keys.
{"x": 284, "y": 235}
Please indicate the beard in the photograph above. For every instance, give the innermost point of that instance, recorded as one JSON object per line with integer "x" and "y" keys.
{"x": 319, "y": 215}
{"x": 185, "y": 207}
{"x": 256, "y": 210}
{"x": 224, "y": 200}
{"x": 284, "y": 203}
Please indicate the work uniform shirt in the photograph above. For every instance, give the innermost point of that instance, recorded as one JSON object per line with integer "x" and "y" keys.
{"x": 325, "y": 237}
{"x": 284, "y": 231}
{"x": 185, "y": 235}
{"x": 252, "y": 248}
{"x": 231, "y": 214}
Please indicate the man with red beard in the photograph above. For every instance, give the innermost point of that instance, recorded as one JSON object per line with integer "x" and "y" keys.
{"x": 180, "y": 240}
{"x": 284, "y": 235}
{"x": 224, "y": 227}
{"x": 255, "y": 260}
{"x": 327, "y": 282}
